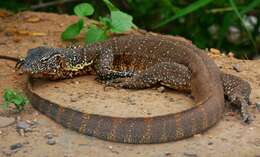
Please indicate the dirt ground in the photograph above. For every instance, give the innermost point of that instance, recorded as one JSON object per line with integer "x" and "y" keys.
{"x": 27, "y": 30}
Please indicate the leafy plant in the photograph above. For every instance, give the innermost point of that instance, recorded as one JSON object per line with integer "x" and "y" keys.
{"x": 222, "y": 24}
{"x": 14, "y": 97}
{"x": 117, "y": 22}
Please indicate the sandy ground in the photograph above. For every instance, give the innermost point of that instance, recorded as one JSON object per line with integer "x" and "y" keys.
{"x": 26, "y": 30}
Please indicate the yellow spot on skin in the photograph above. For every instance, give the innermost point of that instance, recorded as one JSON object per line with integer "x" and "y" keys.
{"x": 78, "y": 66}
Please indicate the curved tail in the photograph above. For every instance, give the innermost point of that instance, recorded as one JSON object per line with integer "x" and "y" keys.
{"x": 140, "y": 130}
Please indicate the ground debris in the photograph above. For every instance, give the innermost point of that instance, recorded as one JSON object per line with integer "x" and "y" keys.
{"x": 161, "y": 89}
{"x": 190, "y": 154}
{"x": 24, "y": 126}
{"x": 257, "y": 104}
{"x": 51, "y": 141}
{"x": 236, "y": 67}
{"x": 16, "y": 146}
{"x": 33, "y": 19}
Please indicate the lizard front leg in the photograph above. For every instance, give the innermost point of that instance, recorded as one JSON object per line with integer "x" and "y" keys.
{"x": 104, "y": 66}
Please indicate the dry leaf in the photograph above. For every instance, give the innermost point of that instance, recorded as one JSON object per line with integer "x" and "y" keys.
{"x": 33, "y": 19}
{"x": 38, "y": 34}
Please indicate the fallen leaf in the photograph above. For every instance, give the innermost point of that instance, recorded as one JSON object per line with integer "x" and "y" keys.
{"x": 38, "y": 34}
{"x": 33, "y": 19}
{"x": 23, "y": 32}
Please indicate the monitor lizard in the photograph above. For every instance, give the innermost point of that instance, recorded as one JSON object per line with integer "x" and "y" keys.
{"x": 136, "y": 62}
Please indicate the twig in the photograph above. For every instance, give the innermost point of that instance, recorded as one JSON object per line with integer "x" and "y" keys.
{"x": 47, "y": 4}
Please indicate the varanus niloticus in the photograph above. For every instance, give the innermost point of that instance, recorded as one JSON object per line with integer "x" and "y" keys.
{"x": 136, "y": 62}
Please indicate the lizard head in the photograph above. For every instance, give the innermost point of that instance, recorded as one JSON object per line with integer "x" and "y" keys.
{"x": 54, "y": 63}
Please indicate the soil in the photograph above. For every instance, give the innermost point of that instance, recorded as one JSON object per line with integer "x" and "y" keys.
{"x": 26, "y": 30}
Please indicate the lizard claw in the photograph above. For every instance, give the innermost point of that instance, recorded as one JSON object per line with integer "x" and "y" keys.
{"x": 243, "y": 106}
{"x": 247, "y": 118}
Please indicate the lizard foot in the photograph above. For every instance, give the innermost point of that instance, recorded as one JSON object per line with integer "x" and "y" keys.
{"x": 243, "y": 104}
{"x": 246, "y": 117}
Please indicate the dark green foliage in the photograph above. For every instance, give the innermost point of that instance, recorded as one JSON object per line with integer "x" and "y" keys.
{"x": 207, "y": 23}
{"x": 118, "y": 22}
{"x": 14, "y": 97}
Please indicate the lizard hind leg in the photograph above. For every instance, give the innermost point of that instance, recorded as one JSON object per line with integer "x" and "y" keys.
{"x": 172, "y": 75}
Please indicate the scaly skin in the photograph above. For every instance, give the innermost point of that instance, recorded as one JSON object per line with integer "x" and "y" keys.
{"x": 146, "y": 57}
{"x": 41, "y": 62}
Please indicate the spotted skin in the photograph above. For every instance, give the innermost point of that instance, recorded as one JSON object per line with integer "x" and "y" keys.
{"x": 147, "y": 60}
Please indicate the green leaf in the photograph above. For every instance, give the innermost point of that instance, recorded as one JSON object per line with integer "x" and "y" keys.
{"x": 12, "y": 97}
{"x": 121, "y": 22}
{"x": 95, "y": 34}
{"x": 105, "y": 21}
{"x": 8, "y": 95}
{"x": 72, "y": 30}
{"x": 190, "y": 8}
{"x": 110, "y": 5}
{"x": 18, "y": 100}
{"x": 83, "y": 9}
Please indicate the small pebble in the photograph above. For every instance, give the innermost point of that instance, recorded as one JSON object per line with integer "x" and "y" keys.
{"x": 197, "y": 135}
{"x": 215, "y": 51}
{"x": 29, "y": 122}
{"x": 236, "y": 67}
{"x": 190, "y": 154}
{"x": 21, "y": 132}
{"x": 210, "y": 143}
{"x": 49, "y": 135}
{"x": 257, "y": 104}
{"x": 231, "y": 55}
{"x": 161, "y": 89}
{"x": 73, "y": 99}
{"x": 24, "y": 126}
{"x": 16, "y": 146}
{"x": 110, "y": 147}
{"x": 51, "y": 141}
{"x": 232, "y": 114}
